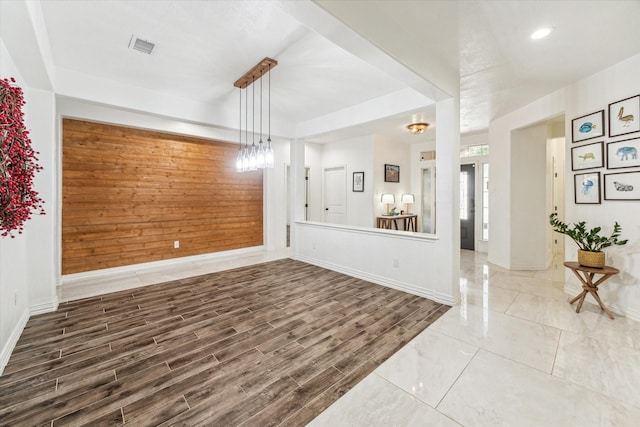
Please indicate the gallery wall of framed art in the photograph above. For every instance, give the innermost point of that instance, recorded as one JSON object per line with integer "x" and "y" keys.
{"x": 593, "y": 182}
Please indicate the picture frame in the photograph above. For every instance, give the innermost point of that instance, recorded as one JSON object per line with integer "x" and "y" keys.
{"x": 391, "y": 173}
{"x": 624, "y": 116}
{"x": 586, "y": 188}
{"x": 622, "y": 186}
{"x": 587, "y": 127}
{"x": 358, "y": 182}
{"x": 588, "y": 156}
{"x": 623, "y": 154}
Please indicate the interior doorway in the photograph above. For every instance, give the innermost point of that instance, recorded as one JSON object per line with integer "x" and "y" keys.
{"x": 467, "y": 206}
{"x": 335, "y": 195}
{"x": 288, "y": 199}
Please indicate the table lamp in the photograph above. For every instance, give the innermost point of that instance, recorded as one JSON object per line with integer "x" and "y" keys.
{"x": 388, "y": 199}
{"x": 407, "y": 199}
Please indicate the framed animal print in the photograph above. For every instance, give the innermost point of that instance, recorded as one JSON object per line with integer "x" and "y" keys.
{"x": 622, "y": 186}
{"x": 586, "y": 188}
{"x": 623, "y": 154}
{"x": 624, "y": 116}
{"x": 588, "y": 156}
{"x": 587, "y": 127}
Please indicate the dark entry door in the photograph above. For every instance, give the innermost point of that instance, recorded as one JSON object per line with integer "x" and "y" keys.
{"x": 467, "y": 206}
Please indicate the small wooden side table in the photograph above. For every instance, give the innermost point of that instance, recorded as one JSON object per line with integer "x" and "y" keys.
{"x": 588, "y": 274}
{"x": 409, "y": 222}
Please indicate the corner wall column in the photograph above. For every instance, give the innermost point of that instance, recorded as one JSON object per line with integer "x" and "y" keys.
{"x": 448, "y": 195}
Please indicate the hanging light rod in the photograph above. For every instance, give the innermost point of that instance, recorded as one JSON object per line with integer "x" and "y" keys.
{"x": 256, "y": 72}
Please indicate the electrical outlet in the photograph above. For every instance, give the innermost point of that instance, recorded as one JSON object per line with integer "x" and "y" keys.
{"x": 176, "y": 244}
{"x": 396, "y": 262}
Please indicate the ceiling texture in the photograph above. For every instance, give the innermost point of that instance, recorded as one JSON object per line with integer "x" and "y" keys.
{"x": 392, "y": 59}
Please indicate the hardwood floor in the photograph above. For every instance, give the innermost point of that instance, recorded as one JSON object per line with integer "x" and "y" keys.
{"x": 271, "y": 344}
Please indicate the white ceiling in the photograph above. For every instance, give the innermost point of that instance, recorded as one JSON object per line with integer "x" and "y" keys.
{"x": 204, "y": 46}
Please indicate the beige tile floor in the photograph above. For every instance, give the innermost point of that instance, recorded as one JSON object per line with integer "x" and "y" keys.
{"x": 513, "y": 353}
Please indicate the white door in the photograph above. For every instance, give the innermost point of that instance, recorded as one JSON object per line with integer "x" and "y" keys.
{"x": 335, "y": 195}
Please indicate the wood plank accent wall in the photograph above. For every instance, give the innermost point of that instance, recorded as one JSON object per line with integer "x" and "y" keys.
{"x": 128, "y": 194}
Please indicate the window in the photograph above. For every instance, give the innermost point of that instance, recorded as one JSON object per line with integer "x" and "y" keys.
{"x": 474, "y": 150}
{"x": 464, "y": 209}
{"x": 485, "y": 201}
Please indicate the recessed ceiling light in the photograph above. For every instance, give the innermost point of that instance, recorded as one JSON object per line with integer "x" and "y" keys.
{"x": 541, "y": 33}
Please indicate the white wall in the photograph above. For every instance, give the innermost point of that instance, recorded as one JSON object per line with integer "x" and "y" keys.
{"x": 621, "y": 292}
{"x": 501, "y": 170}
{"x": 529, "y": 198}
{"x": 313, "y": 154}
{"x": 390, "y": 152}
{"x": 23, "y": 259}
{"x": 398, "y": 259}
{"x": 591, "y": 94}
{"x": 357, "y": 155}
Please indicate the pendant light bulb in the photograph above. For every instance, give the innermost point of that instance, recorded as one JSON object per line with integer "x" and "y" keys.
{"x": 268, "y": 155}
{"x": 261, "y": 155}
{"x": 245, "y": 160}
{"x": 253, "y": 158}
{"x": 239, "y": 167}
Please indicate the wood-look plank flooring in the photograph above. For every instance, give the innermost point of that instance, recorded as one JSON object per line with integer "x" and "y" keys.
{"x": 265, "y": 345}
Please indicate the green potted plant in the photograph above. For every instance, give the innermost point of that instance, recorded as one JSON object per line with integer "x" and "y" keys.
{"x": 590, "y": 242}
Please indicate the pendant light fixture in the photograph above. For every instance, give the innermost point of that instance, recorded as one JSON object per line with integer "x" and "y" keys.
{"x": 254, "y": 157}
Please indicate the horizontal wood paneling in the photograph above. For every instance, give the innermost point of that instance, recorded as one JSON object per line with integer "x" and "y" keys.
{"x": 128, "y": 194}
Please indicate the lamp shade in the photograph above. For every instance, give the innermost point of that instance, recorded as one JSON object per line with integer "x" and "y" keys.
{"x": 407, "y": 198}
{"x": 388, "y": 198}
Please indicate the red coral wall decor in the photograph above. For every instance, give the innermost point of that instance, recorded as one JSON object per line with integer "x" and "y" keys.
{"x": 18, "y": 163}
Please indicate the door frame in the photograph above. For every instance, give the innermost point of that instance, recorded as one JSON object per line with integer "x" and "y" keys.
{"x": 477, "y": 195}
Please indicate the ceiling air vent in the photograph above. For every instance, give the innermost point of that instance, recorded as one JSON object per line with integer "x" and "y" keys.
{"x": 144, "y": 46}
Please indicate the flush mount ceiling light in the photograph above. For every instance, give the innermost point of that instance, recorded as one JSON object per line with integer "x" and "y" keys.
{"x": 541, "y": 33}
{"x": 417, "y": 128}
{"x": 144, "y": 46}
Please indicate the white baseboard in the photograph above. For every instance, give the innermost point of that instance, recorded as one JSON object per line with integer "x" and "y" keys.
{"x": 70, "y": 278}
{"x": 13, "y": 340}
{"x": 45, "y": 307}
{"x": 384, "y": 281}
